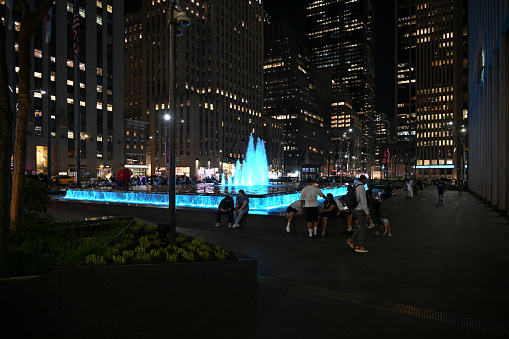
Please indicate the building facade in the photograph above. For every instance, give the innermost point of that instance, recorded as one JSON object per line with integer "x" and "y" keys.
{"x": 53, "y": 128}
{"x": 219, "y": 83}
{"x": 135, "y": 146}
{"x": 440, "y": 87}
{"x": 341, "y": 39}
{"x": 488, "y": 123}
{"x": 292, "y": 95}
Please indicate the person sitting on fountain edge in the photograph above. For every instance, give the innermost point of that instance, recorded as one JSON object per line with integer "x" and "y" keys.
{"x": 225, "y": 207}
{"x": 241, "y": 208}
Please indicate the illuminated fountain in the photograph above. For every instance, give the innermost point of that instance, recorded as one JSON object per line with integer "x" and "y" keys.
{"x": 254, "y": 171}
{"x": 252, "y": 176}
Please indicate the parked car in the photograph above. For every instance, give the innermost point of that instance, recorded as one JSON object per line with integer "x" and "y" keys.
{"x": 63, "y": 179}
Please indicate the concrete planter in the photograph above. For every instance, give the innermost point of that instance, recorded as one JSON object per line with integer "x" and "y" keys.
{"x": 114, "y": 301}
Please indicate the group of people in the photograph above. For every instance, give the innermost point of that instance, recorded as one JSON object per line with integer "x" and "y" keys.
{"x": 234, "y": 211}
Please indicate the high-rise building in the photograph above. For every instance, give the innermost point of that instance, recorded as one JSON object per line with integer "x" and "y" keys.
{"x": 292, "y": 95}
{"x": 219, "y": 82}
{"x": 440, "y": 85}
{"x": 488, "y": 108}
{"x": 99, "y": 104}
{"x": 406, "y": 71}
{"x": 341, "y": 39}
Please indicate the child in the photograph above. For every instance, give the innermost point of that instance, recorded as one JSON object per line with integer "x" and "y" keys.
{"x": 383, "y": 225}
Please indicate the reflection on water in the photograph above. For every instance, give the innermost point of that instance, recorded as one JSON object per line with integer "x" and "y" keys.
{"x": 204, "y": 195}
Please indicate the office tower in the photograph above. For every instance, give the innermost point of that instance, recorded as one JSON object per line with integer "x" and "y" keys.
{"x": 292, "y": 96}
{"x": 488, "y": 109}
{"x": 440, "y": 85}
{"x": 342, "y": 42}
{"x": 101, "y": 82}
{"x": 406, "y": 71}
{"x": 219, "y": 83}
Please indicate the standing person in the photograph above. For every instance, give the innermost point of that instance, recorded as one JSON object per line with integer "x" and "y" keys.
{"x": 460, "y": 186}
{"x": 362, "y": 213}
{"x": 409, "y": 189}
{"x": 309, "y": 198}
{"x": 225, "y": 207}
{"x": 441, "y": 190}
{"x": 294, "y": 210}
{"x": 329, "y": 211}
{"x": 241, "y": 208}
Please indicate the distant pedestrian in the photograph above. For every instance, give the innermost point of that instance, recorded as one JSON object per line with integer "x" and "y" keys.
{"x": 329, "y": 211}
{"x": 225, "y": 207}
{"x": 362, "y": 213}
{"x": 241, "y": 208}
{"x": 441, "y": 190}
{"x": 292, "y": 211}
{"x": 460, "y": 186}
{"x": 409, "y": 189}
{"x": 309, "y": 198}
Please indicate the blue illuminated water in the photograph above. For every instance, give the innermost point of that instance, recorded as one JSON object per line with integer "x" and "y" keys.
{"x": 254, "y": 171}
{"x": 264, "y": 202}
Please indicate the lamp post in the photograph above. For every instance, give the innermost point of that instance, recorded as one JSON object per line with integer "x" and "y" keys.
{"x": 166, "y": 135}
{"x": 176, "y": 17}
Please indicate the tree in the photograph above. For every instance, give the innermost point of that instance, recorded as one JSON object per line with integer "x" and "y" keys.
{"x": 5, "y": 144}
{"x": 29, "y": 22}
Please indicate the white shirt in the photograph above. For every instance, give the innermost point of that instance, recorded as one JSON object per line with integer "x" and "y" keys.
{"x": 296, "y": 205}
{"x": 360, "y": 193}
{"x": 310, "y": 195}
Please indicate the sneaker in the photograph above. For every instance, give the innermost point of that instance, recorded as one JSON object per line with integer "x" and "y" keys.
{"x": 371, "y": 225}
{"x": 349, "y": 229}
{"x": 323, "y": 234}
{"x": 311, "y": 235}
{"x": 288, "y": 230}
{"x": 217, "y": 225}
{"x": 235, "y": 225}
{"x": 229, "y": 225}
{"x": 361, "y": 250}
{"x": 350, "y": 243}
{"x": 389, "y": 235}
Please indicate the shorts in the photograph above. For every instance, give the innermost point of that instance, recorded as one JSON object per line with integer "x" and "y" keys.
{"x": 330, "y": 215}
{"x": 311, "y": 214}
{"x": 290, "y": 209}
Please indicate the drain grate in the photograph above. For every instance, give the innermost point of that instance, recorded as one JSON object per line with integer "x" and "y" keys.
{"x": 386, "y": 305}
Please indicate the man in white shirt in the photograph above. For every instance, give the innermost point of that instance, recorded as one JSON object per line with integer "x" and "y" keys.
{"x": 362, "y": 214}
{"x": 309, "y": 199}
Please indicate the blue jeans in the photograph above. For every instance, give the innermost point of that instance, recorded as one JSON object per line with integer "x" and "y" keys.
{"x": 238, "y": 216}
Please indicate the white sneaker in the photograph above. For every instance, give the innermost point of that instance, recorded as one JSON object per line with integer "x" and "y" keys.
{"x": 349, "y": 229}
{"x": 371, "y": 225}
{"x": 389, "y": 235}
{"x": 288, "y": 230}
{"x": 235, "y": 225}
{"x": 229, "y": 225}
{"x": 217, "y": 225}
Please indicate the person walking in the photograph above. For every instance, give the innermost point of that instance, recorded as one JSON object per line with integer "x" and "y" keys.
{"x": 441, "y": 190}
{"x": 225, "y": 207}
{"x": 309, "y": 198}
{"x": 362, "y": 213}
{"x": 292, "y": 211}
{"x": 241, "y": 208}
{"x": 409, "y": 189}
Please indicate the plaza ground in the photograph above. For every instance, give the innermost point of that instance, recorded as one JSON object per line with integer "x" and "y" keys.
{"x": 442, "y": 274}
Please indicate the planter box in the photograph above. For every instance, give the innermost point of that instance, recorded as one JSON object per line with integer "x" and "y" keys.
{"x": 115, "y": 301}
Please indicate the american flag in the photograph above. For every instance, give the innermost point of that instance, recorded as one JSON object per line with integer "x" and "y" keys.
{"x": 75, "y": 27}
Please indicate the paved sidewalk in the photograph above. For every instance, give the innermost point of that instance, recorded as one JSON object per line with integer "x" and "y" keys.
{"x": 442, "y": 274}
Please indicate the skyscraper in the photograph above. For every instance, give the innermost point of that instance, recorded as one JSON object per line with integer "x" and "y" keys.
{"x": 342, "y": 42}
{"x": 440, "y": 85}
{"x": 292, "y": 95}
{"x": 101, "y": 84}
{"x": 219, "y": 83}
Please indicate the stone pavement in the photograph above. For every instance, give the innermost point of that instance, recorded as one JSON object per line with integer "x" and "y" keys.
{"x": 443, "y": 274}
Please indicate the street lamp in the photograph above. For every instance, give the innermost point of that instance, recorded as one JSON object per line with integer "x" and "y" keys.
{"x": 177, "y": 20}
{"x": 166, "y": 135}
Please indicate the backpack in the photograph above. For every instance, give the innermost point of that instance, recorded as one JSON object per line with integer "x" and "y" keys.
{"x": 351, "y": 198}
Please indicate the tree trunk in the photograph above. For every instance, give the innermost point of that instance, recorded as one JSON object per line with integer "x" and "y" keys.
{"x": 28, "y": 25}
{"x": 5, "y": 144}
